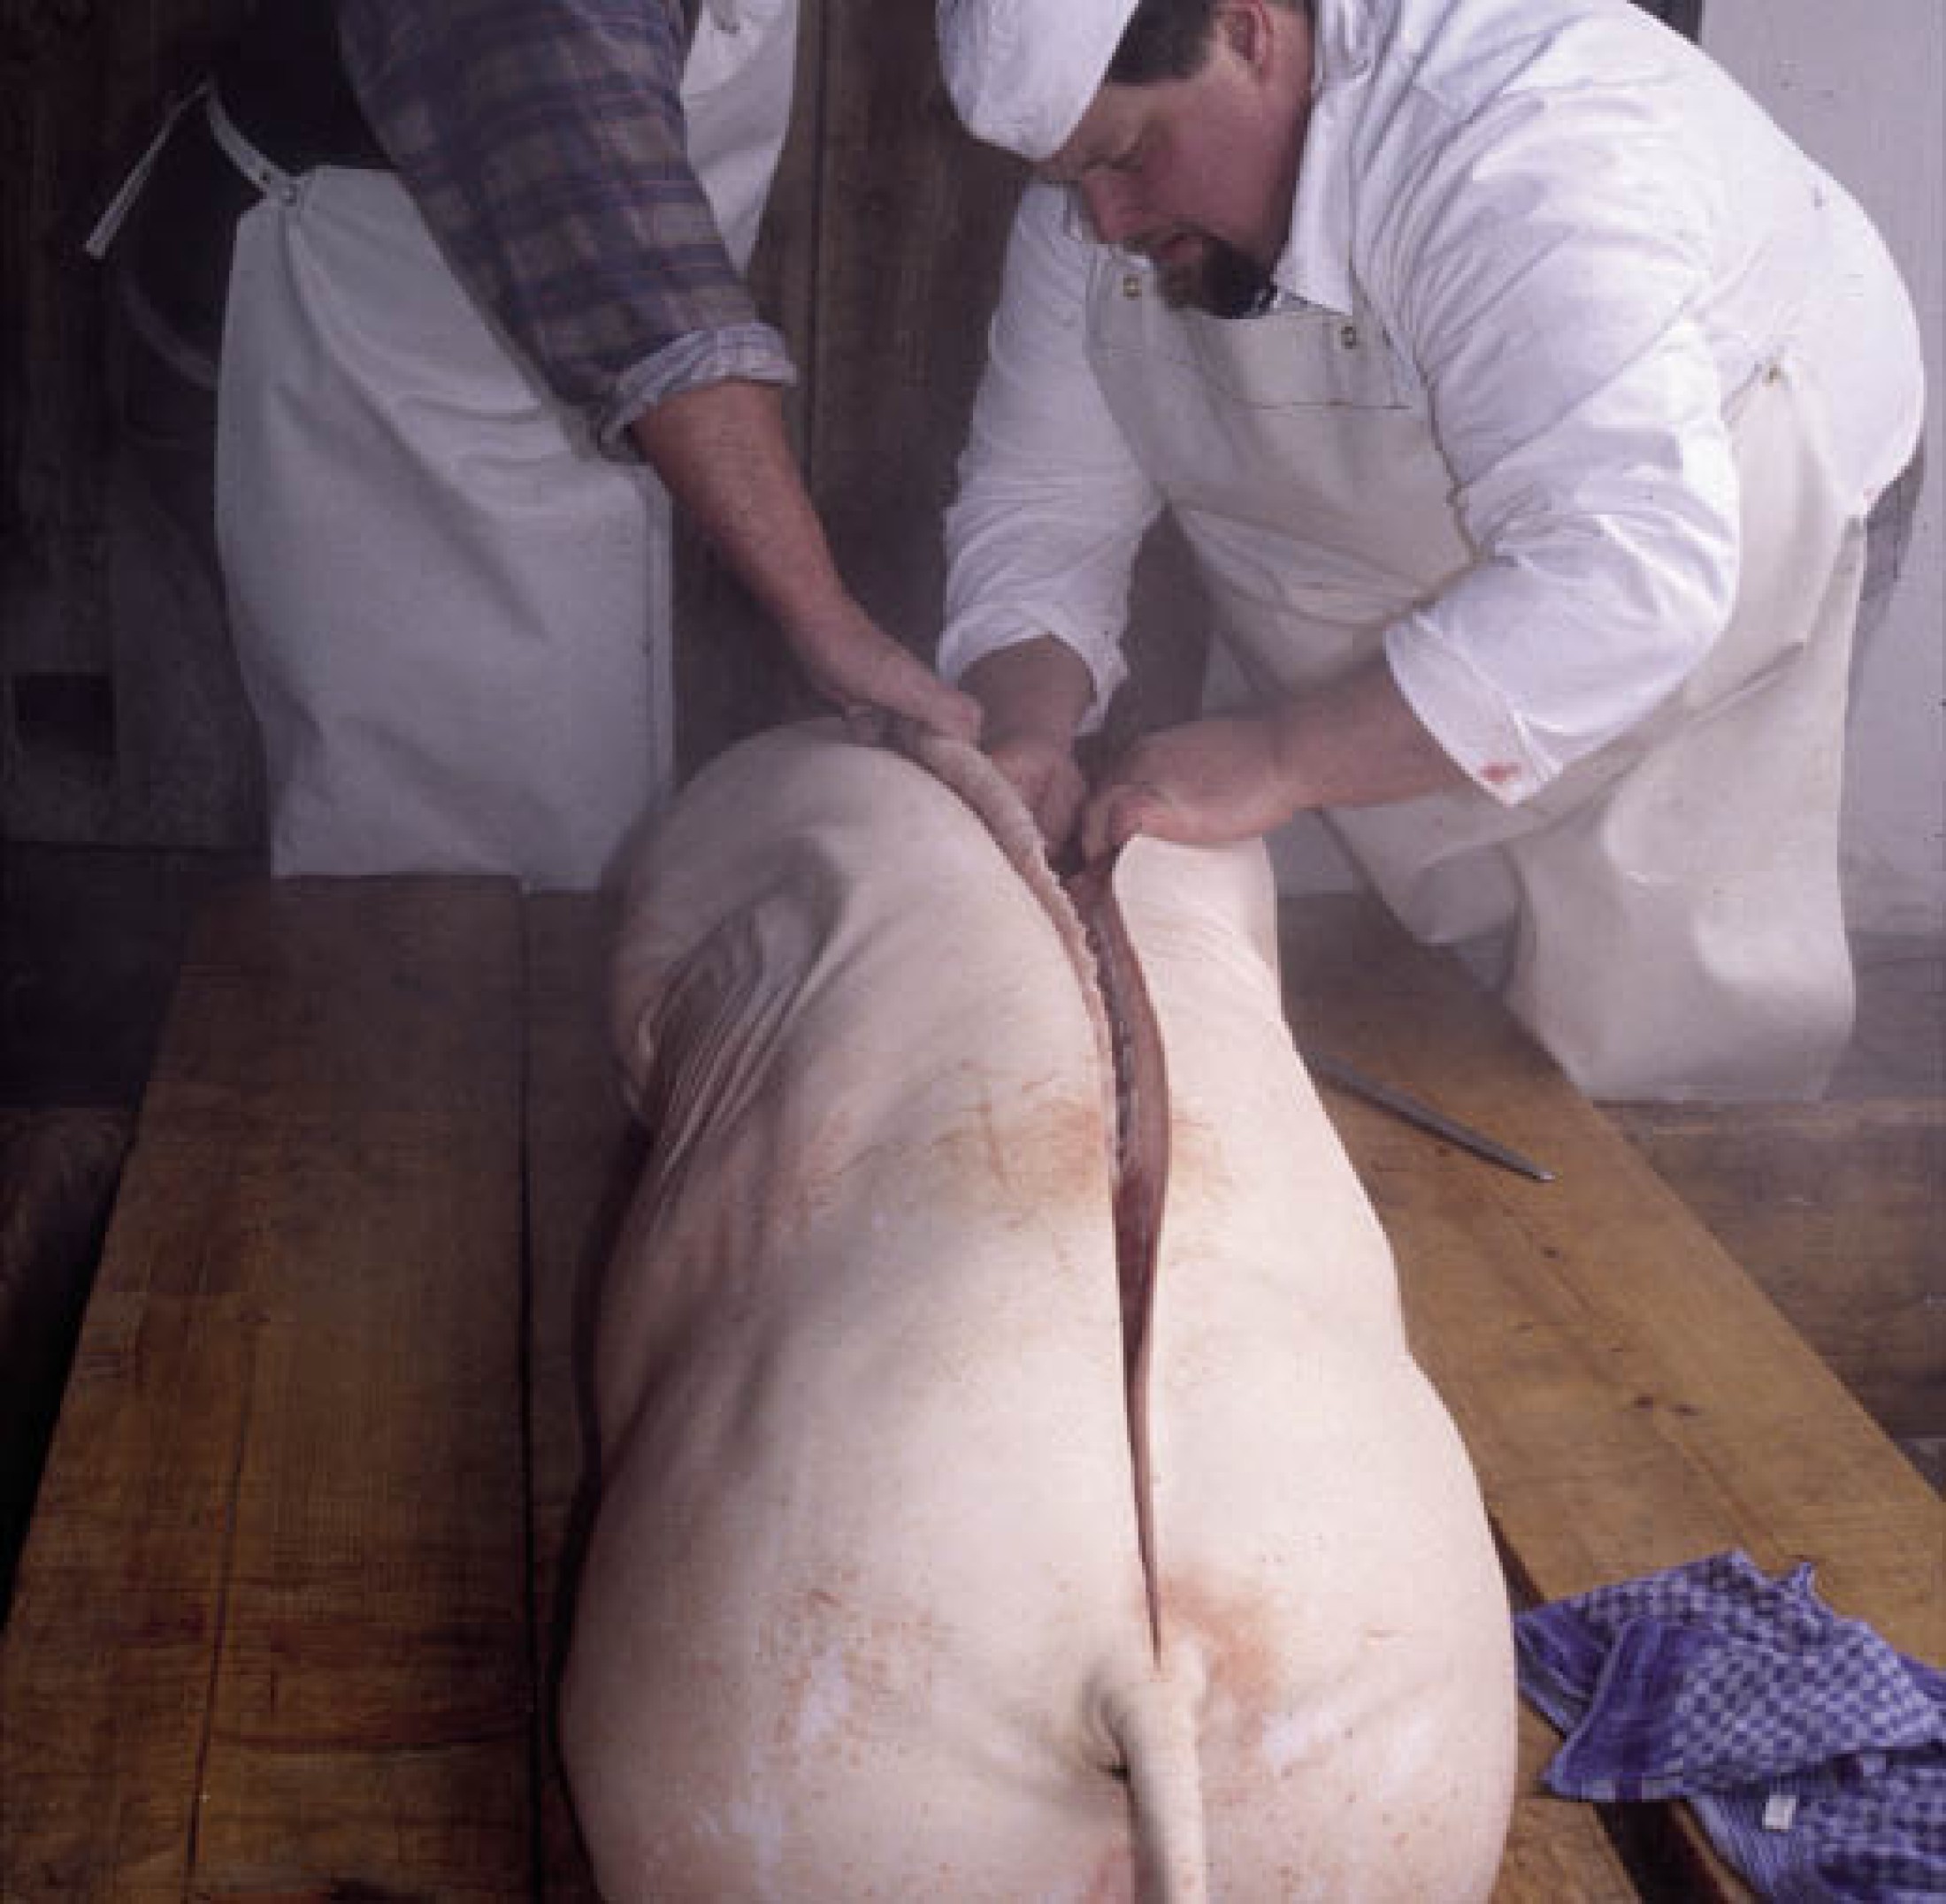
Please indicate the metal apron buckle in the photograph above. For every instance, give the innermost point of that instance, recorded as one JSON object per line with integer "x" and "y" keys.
{"x": 265, "y": 173}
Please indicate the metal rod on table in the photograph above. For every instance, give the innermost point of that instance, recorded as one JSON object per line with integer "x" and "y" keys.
{"x": 1402, "y": 1105}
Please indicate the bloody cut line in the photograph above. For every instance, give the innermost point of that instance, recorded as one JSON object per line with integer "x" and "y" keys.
{"x": 1088, "y": 918}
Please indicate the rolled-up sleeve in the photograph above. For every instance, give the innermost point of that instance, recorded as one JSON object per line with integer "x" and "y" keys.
{"x": 1051, "y": 506}
{"x": 545, "y": 147}
{"x": 1553, "y": 308}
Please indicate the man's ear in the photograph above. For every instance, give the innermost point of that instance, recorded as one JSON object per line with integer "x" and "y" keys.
{"x": 1244, "y": 27}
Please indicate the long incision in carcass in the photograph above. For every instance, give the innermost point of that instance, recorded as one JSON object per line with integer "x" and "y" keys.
{"x": 1141, "y": 1178}
{"x": 1087, "y": 918}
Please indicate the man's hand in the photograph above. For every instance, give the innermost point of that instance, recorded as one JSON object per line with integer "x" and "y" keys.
{"x": 1035, "y": 694}
{"x": 1354, "y": 742}
{"x": 1203, "y": 784}
{"x": 1047, "y": 777}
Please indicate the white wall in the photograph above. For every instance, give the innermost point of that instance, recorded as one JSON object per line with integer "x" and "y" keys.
{"x": 1859, "y": 87}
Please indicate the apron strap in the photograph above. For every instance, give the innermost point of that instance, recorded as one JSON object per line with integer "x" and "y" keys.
{"x": 99, "y": 241}
{"x": 265, "y": 173}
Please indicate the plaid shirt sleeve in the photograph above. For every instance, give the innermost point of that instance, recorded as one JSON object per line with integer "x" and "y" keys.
{"x": 544, "y": 145}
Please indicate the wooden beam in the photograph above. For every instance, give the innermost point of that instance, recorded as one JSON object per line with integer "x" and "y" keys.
{"x": 271, "y": 1630}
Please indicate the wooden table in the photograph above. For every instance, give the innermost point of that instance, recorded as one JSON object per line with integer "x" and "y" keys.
{"x": 289, "y": 1608}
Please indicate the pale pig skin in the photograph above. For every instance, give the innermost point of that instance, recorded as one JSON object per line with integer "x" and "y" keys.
{"x": 863, "y": 1615}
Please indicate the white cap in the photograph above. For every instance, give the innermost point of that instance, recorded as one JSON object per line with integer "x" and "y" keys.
{"x": 1022, "y": 72}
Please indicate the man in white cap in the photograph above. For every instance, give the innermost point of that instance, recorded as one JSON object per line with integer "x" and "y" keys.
{"x": 1523, "y": 394}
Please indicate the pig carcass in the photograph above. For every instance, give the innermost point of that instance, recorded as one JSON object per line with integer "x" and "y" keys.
{"x": 908, "y": 1580}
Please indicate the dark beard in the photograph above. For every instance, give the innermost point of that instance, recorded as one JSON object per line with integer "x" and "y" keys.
{"x": 1224, "y": 282}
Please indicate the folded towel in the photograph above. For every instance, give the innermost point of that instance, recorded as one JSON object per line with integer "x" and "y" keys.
{"x": 1814, "y": 1752}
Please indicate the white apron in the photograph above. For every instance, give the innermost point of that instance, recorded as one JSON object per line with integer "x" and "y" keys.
{"x": 1678, "y": 929}
{"x": 451, "y": 613}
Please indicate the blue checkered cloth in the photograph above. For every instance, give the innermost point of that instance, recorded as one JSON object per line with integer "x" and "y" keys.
{"x": 1814, "y": 1753}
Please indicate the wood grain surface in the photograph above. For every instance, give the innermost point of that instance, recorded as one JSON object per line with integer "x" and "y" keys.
{"x": 272, "y": 1629}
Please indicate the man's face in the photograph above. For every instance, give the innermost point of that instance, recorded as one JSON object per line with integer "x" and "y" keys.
{"x": 1197, "y": 174}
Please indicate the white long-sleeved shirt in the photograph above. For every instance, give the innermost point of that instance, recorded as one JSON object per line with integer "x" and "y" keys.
{"x": 1581, "y": 241}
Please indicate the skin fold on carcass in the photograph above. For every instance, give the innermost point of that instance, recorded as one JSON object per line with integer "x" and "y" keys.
{"x": 864, "y": 1613}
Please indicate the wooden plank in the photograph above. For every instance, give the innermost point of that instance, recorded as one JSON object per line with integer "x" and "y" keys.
{"x": 583, "y": 1154}
{"x": 1838, "y": 1211}
{"x": 271, "y": 1633}
{"x": 1630, "y": 1398}
{"x": 57, "y": 1174}
{"x": 1637, "y": 1400}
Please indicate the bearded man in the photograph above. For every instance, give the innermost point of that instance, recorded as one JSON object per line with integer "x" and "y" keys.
{"x": 1525, "y": 396}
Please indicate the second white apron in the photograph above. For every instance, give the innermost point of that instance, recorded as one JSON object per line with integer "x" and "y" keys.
{"x": 451, "y": 613}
